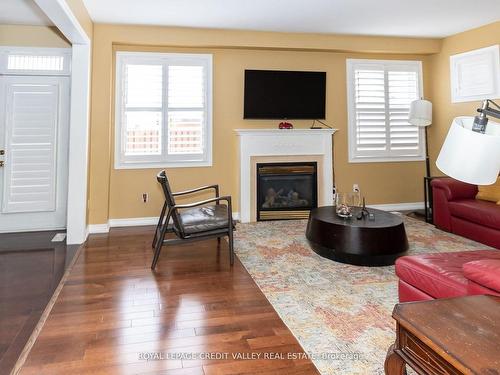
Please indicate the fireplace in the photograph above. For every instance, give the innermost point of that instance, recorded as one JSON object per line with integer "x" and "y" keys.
{"x": 283, "y": 146}
{"x": 286, "y": 190}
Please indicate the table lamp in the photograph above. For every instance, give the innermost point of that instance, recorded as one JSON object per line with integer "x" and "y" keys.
{"x": 421, "y": 116}
{"x": 471, "y": 150}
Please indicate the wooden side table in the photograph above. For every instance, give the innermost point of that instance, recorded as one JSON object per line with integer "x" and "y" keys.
{"x": 447, "y": 336}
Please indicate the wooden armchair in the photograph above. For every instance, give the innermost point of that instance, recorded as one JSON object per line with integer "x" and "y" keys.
{"x": 194, "y": 221}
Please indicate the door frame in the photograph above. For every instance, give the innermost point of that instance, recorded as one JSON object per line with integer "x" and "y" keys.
{"x": 79, "y": 133}
{"x": 63, "y": 18}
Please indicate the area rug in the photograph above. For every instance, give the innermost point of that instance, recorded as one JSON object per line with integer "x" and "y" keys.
{"x": 340, "y": 314}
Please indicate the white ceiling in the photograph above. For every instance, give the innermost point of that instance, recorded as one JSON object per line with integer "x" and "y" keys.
{"x": 22, "y": 12}
{"x": 416, "y": 18}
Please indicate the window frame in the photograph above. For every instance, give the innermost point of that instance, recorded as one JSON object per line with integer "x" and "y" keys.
{"x": 163, "y": 159}
{"x": 402, "y": 65}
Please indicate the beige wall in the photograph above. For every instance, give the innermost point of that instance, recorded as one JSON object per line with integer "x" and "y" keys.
{"x": 117, "y": 193}
{"x": 32, "y": 36}
{"x": 439, "y": 83}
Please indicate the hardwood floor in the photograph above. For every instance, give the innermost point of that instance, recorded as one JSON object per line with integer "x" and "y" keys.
{"x": 31, "y": 267}
{"x": 114, "y": 312}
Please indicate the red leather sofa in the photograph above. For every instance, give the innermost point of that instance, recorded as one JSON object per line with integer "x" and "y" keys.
{"x": 442, "y": 275}
{"x": 457, "y": 211}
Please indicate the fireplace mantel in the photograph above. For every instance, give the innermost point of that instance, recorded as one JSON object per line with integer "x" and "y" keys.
{"x": 281, "y": 132}
{"x": 284, "y": 145}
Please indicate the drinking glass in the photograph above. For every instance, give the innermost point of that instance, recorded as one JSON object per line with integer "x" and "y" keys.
{"x": 344, "y": 203}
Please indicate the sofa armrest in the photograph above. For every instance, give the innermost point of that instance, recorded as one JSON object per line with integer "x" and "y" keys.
{"x": 485, "y": 272}
{"x": 454, "y": 189}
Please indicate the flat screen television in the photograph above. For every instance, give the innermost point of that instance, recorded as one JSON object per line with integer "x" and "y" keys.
{"x": 278, "y": 94}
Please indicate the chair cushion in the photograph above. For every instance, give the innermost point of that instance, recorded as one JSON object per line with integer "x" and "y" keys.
{"x": 203, "y": 219}
{"x": 485, "y": 272}
{"x": 489, "y": 192}
{"x": 478, "y": 211}
{"x": 440, "y": 275}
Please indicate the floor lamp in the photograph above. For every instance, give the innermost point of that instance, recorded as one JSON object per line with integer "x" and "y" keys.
{"x": 421, "y": 116}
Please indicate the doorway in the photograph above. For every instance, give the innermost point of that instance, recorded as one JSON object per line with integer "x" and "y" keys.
{"x": 34, "y": 131}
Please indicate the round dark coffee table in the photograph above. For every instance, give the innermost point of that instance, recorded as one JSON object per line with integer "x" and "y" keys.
{"x": 364, "y": 242}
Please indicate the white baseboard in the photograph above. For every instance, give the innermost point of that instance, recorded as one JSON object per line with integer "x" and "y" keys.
{"x": 98, "y": 228}
{"x": 133, "y": 222}
{"x": 399, "y": 206}
{"x": 130, "y": 222}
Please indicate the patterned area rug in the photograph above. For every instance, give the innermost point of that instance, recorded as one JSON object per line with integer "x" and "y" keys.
{"x": 341, "y": 314}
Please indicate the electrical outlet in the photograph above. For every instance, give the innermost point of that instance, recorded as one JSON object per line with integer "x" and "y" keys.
{"x": 355, "y": 188}
{"x": 145, "y": 197}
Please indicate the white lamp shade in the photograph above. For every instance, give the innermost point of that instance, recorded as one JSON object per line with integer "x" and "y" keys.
{"x": 469, "y": 156}
{"x": 420, "y": 113}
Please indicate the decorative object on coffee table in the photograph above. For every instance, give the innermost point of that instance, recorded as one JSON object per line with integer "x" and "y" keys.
{"x": 446, "y": 336}
{"x": 344, "y": 202}
{"x": 364, "y": 213}
{"x": 377, "y": 242}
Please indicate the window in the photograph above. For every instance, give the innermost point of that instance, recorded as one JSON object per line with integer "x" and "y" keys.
{"x": 379, "y": 97}
{"x": 35, "y": 61}
{"x": 163, "y": 110}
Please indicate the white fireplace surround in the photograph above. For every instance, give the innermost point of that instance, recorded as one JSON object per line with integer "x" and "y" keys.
{"x": 281, "y": 143}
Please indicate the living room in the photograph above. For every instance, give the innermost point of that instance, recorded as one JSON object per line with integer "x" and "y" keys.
{"x": 115, "y": 267}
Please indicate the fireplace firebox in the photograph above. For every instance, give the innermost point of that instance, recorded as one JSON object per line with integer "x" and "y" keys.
{"x": 286, "y": 190}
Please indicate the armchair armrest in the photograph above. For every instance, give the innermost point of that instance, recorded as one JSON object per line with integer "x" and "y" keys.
{"x": 215, "y": 187}
{"x": 226, "y": 198}
{"x": 485, "y": 272}
{"x": 454, "y": 189}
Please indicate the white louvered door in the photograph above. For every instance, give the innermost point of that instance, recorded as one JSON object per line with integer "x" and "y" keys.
{"x": 34, "y": 136}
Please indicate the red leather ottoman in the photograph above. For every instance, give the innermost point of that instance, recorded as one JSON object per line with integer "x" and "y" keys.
{"x": 440, "y": 275}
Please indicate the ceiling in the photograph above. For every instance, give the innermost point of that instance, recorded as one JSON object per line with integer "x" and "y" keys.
{"x": 22, "y": 12}
{"x": 413, "y": 18}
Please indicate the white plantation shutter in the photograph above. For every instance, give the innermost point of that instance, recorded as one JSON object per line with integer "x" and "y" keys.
{"x": 379, "y": 95}
{"x": 186, "y": 102}
{"x": 40, "y": 63}
{"x": 35, "y": 61}
{"x": 403, "y": 87}
{"x": 163, "y": 110}
{"x": 370, "y": 111}
{"x": 142, "y": 110}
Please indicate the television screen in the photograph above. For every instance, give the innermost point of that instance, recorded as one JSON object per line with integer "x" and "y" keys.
{"x": 275, "y": 94}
